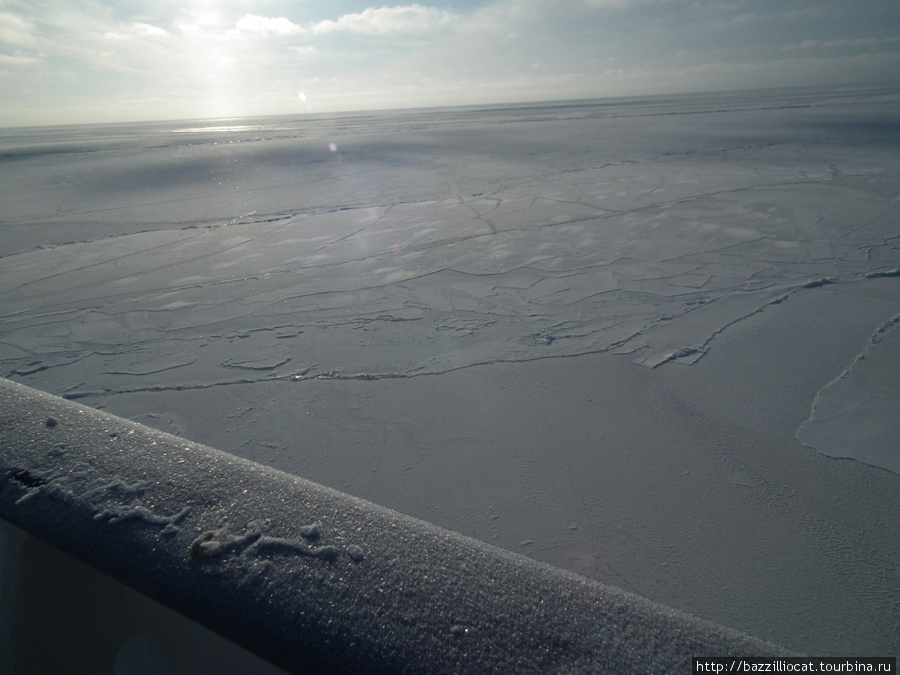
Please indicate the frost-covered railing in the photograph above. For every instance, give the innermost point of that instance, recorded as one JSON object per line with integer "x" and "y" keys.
{"x": 309, "y": 578}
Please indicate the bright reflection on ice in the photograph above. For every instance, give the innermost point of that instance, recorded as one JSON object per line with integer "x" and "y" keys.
{"x": 219, "y": 129}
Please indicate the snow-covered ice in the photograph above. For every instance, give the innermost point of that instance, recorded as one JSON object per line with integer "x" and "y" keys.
{"x": 624, "y": 337}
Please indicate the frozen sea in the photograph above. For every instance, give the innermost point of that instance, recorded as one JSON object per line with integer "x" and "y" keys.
{"x": 655, "y": 340}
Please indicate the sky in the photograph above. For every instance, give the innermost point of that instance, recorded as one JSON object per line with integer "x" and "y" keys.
{"x": 81, "y": 61}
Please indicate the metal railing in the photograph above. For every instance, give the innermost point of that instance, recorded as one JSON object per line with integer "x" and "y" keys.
{"x": 308, "y": 578}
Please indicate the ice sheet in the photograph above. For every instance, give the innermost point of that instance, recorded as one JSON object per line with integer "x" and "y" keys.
{"x": 253, "y": 288}
{"x": 549, "y": 263}
{"x": 855, "y": 416}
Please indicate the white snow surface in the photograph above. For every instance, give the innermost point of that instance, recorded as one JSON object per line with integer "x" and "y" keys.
{"x": 631, "y": 338}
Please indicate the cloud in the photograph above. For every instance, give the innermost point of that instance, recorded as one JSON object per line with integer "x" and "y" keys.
{"x": 219, "y": 57}
{"x": 18, "y": 60}
{"x": 14, "y": 30}
{"x": 136, "y": 30}
{"x": 265, "y": 26}
{"x": 148, "y": 30}
{"x": 843, "y": 43}
{"x": 304, "y": 50}
{"x": 803, "y": 14}
{"x": 387, "y": 20}
{"x": 631, "y": 4}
